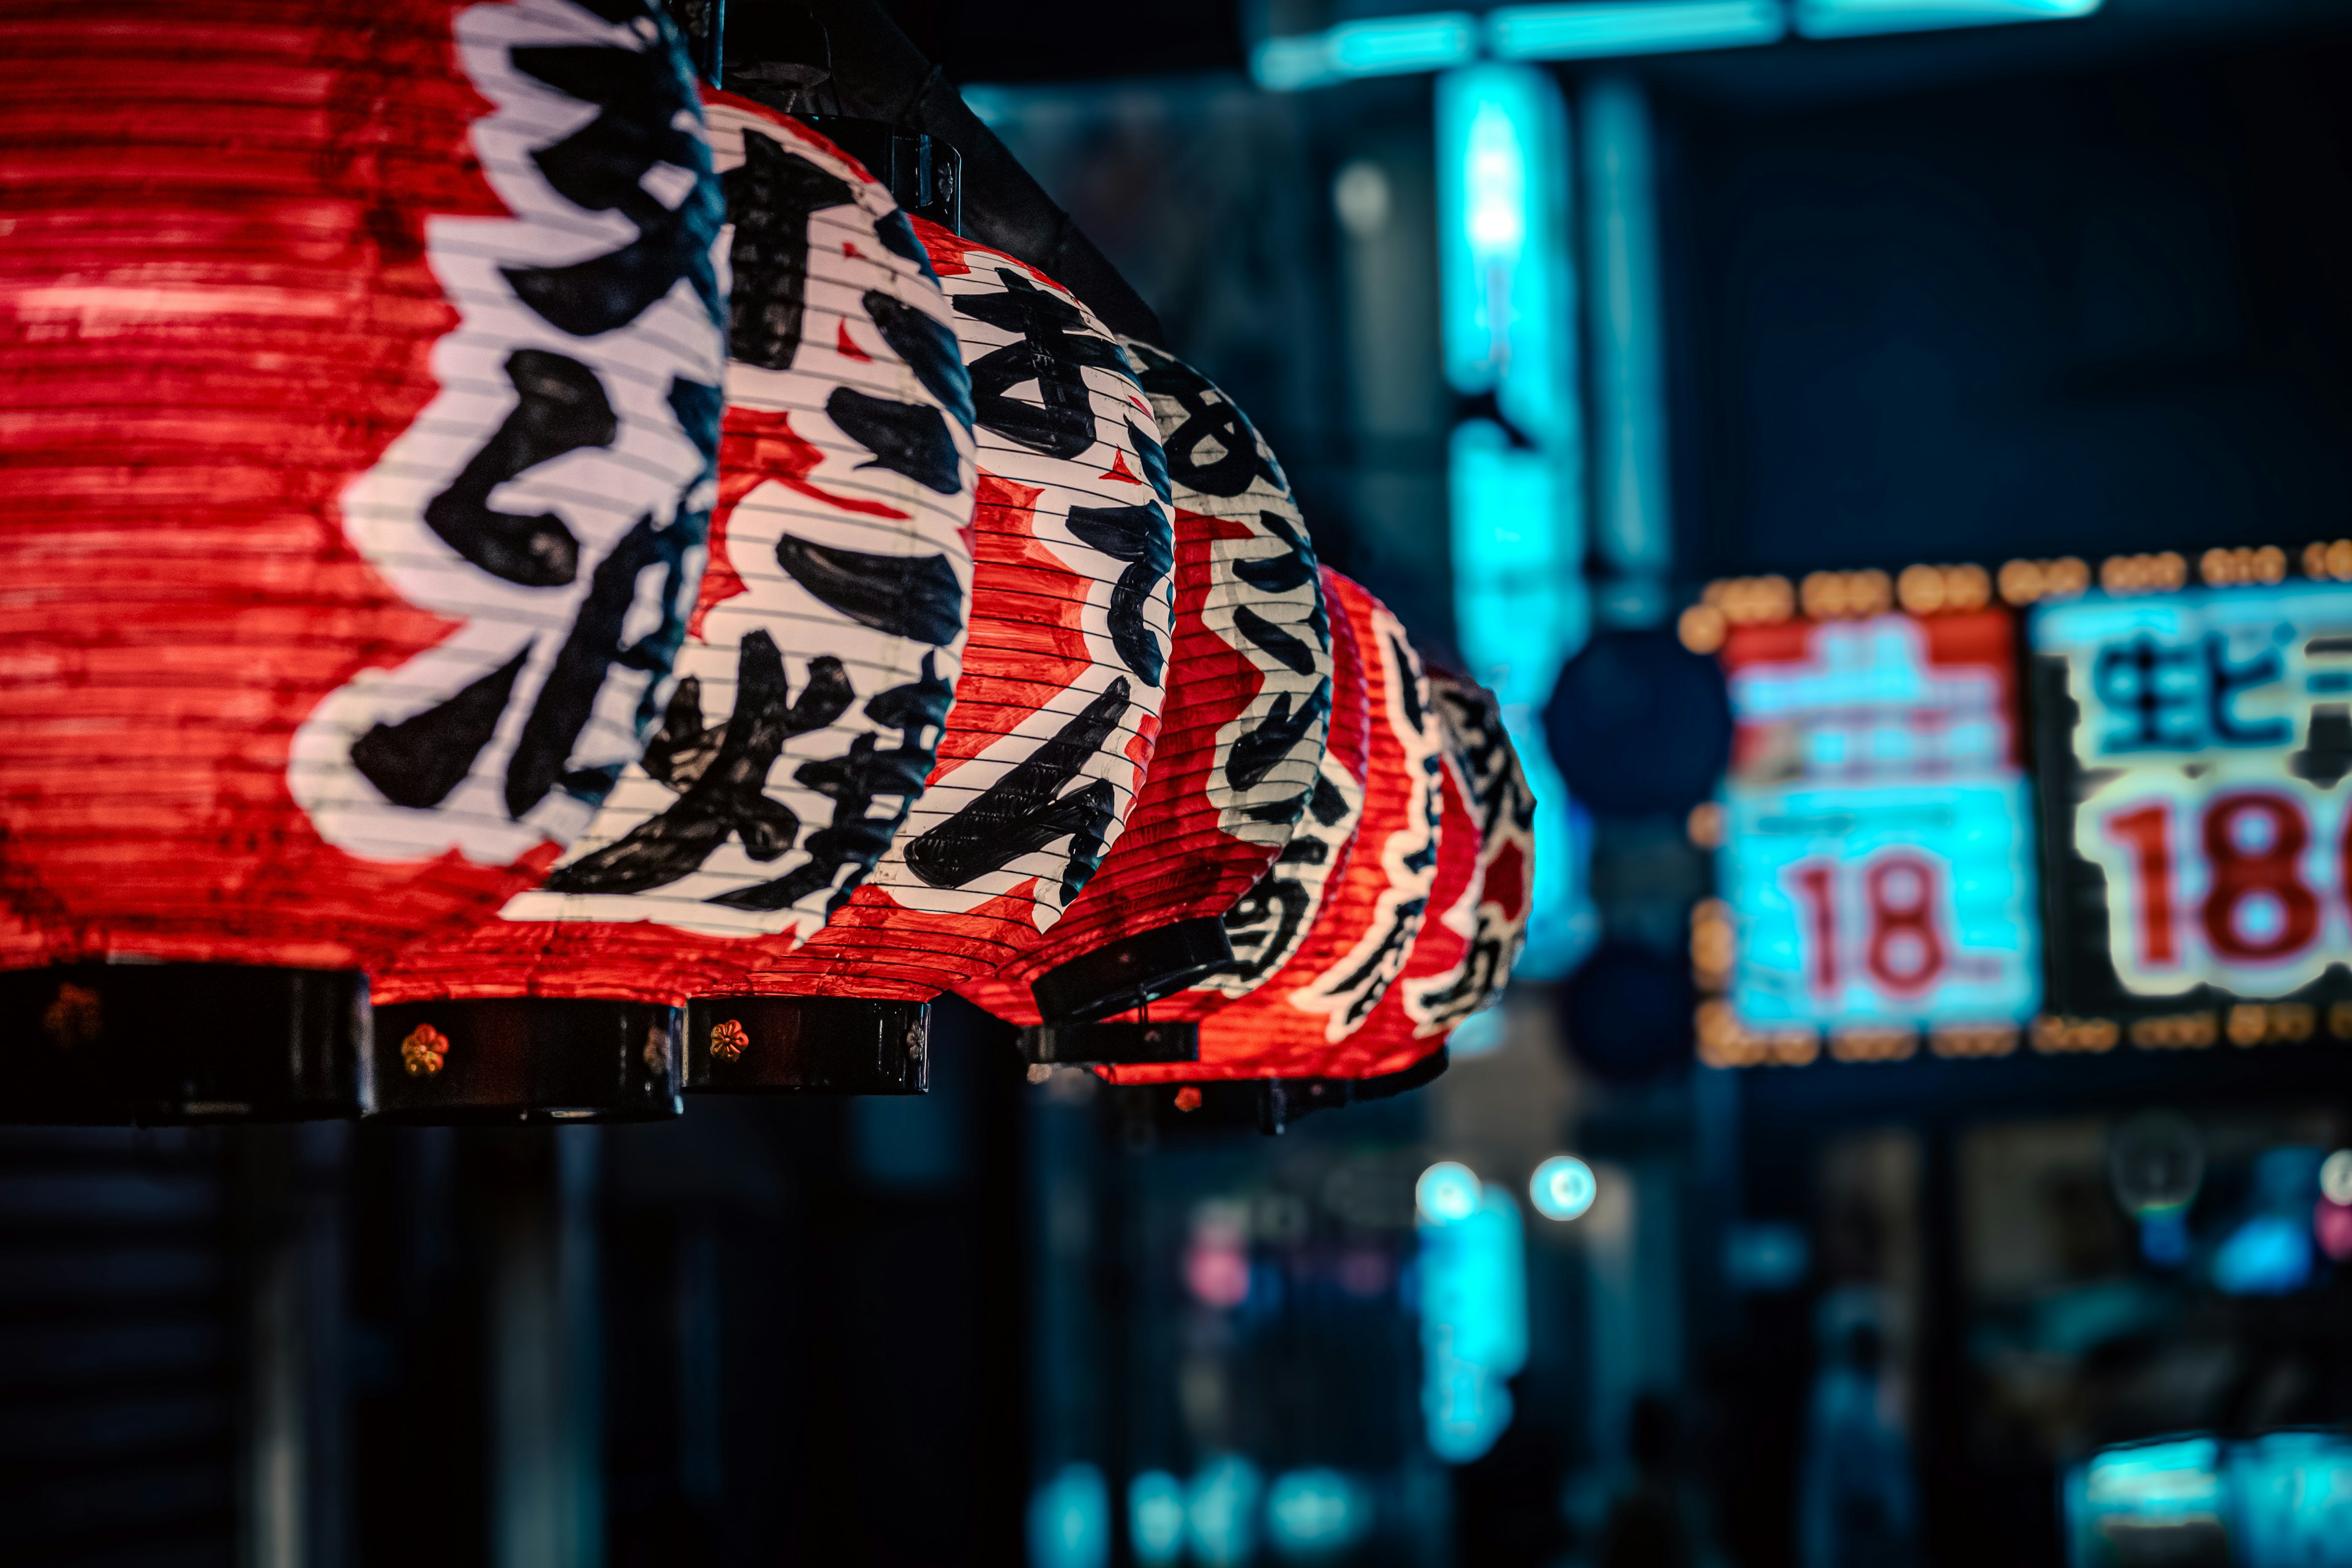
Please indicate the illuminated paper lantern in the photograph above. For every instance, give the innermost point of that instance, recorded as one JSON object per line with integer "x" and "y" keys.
{"x": 1472, "y": 932}
{"x": 1249, "y": 702}
{"x": 1370, "y": 913}
{"x": 361, "y": 400}
{"x": 1064, "y": 672}
{"x": 813, "y": 683}
{"x": 1477, "y": 921}
{"x": 1405, "y": 1023}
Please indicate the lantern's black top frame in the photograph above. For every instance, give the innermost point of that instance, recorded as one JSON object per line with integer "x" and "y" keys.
{"x": 848, "y": 58}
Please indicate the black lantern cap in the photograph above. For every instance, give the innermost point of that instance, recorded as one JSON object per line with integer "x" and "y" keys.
{"x": 1107, "y": 1045}
{"x": 848, "y": 58}
{"x": 527, "y": 1059}
{"x": 1120, "y": 976}
{"x": 171, "y": 1043}
{"x": 807, "y": 1045}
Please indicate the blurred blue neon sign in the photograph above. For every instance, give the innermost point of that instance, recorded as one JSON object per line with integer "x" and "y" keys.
{"x": 1514, "y": 465}
{"x": 1603, "y": 29}
{"x": 2280, "y": 1500}
{"x": 1878, "y": 855}
{"x": 1854, "y": 18}
{"x": 1474, "y": 1320}
{"x": 1598, "y": 30}
{"x": 2214, "y": 729}
{"x": 1069, "y": 1519}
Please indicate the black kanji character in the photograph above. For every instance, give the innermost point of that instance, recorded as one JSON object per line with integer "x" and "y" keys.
{"x": 1209, "y": 417}
{"x": 721, "y": 773}
{"x": 909, "y": 438}
{"x": 1254, "y": 755}
{"x": 1401, "y": 659}
{"x": 912, "y": 596}
{"x": 928, "y": 347}
{"x": 1154, "y": 459}
{"x": 856, "y": 839}
{"x": 1139, "y": 536}
{"x": 2224, "y": 681}
{"x": 1055, "y": 347}
{"x": 417, "y": 761}
{"x": 1279, "y": 895}
{"x": 649, "y": 116}
{"x": 543, "y": 752}
{"x": 1272, "y": 640}
{"x": 898, "y": 236}
{"x": 771, "y": 198}
{"x": 1024, "y": 811}
{"x": 559, "y": 407}
{"x": 2129, "y": 679}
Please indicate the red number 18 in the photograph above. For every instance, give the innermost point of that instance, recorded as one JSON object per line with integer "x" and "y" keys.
{"x": 1904, "y": 951}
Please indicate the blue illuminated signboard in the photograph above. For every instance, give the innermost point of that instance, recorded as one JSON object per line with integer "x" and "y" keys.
{"x": 1515, "y": 476}
{"x": 1474, "y": 1310}
{"x": 2194, "y": 746}
{"x": 1877, "y": 855}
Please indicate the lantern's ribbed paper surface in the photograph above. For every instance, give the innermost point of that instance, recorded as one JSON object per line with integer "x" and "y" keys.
{"x": 1294, "y": 1023}
{"x": 1269, "y": 923}
{"x": 1064, "y": 675}
{"x": 823, "y": 650}
{"x": 359, "y": 408}
{"x": 1412, "y": 1018}
{"x": 1505, "y": 808}
{"x": 1249, "y": 695}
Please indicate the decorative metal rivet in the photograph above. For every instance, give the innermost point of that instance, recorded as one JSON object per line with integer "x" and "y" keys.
{"x": 425, "y": 1051}
{"x": 728, "y": 1040}
{"x": 1188, "y": 1099}
{"x": 75, "y": 1019}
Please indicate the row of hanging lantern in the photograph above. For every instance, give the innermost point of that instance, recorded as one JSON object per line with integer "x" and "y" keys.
{"x": 535, "y": 587}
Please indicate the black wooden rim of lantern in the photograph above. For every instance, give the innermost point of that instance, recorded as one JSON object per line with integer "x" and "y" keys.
{"x": 1133, "y": 971}
{"x": 527, "y": 1059}
{"x": 1271, "y": 1104}
{"x": 1124, "y": 1042}
{"x": 179, "y": 1044}
{"x": 807, "y": 1045}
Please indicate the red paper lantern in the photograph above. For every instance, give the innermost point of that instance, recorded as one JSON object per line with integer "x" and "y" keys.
{"x": 1468, "y": 943}
{"x": 1364, "y": 930}
{"x": 1058, "y": 709}
{"x": 1249, "y": 702}
{"x": 813, "y": 683}
{"x": 1429, "y": 997}
{"x": 360, "y": 399}
{"x": 1500, "y": 895}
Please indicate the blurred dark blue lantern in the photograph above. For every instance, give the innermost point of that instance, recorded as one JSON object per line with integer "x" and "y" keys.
{"x": 1628, "y": 1012}
{"x": 1640, "y": 724}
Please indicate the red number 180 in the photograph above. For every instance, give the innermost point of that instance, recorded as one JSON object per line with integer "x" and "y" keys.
{"x": 2269, "y": 868}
